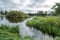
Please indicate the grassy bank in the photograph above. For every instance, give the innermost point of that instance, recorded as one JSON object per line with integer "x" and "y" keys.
{"x": 11, "y": 33}
{"x": 26, "y": 38}
{"x": 48, "y": 24}
{"x": 1, "y": 15}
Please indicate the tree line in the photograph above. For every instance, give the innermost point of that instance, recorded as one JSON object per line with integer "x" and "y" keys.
{"x": 56, "y": 11}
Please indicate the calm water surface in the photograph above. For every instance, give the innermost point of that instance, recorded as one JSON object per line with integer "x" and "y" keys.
{"x": 25, "y": 30}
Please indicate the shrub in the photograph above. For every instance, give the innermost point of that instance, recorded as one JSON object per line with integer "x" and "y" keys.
{"x": 16, "y": 14}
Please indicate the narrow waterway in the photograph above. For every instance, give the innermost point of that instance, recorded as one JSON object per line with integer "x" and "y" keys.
{"x": 36, "y": 34}
{"x": 25, "y": 30}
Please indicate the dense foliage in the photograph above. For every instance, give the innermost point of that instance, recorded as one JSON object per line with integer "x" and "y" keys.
{"x": 56, "y": 8}
{"x": 39, "y": 13}
{"x": 9, "y": 33}
{"x": 48, "y": 24}
{"x": 16, "y": 14}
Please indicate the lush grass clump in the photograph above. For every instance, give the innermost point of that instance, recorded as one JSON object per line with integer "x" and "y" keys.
{"x": 48, "y": 24}
{"x": 1, "y": 15}
{"x": 9, "y": 33}
{"x": 4, "y": 35}
{"x": 27, "y": 38}
{"x": 12, "y": 29}
{"x": 57, "y": 38}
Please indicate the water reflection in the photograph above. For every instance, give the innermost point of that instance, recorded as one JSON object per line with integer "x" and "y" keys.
{"x": 1, "y": 18}
{"x": 25, "y": 30}
{"x": 15, "y": 20}
{"x": 37, "y": 34}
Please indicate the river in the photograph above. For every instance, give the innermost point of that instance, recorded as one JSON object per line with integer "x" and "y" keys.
{"x": 25, "y": 30}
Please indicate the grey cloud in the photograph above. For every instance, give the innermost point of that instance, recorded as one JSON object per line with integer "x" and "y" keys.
{"x": 7, "y": 4}
{"x": 36, "y": 1}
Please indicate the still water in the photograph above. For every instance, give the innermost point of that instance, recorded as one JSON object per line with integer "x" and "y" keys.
{"x": 24, "y": 29}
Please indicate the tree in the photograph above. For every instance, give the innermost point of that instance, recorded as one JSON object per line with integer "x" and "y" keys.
{"x": 5, "y": 12}
{"x": 41, "y": 13}
{"x": 13, "y": 14}
{"x": 57, "y": 8}
{"x": 16, "y": 14}
{"x": 1, "y": 12}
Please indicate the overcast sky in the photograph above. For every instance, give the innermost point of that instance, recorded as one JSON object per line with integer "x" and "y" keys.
{"x": 27, "y": 5}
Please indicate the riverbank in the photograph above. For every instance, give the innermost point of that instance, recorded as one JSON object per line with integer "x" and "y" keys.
{"x": 11, "y": 33}
{"x": 1, "y": 15}
{"x": 48, "y": 24}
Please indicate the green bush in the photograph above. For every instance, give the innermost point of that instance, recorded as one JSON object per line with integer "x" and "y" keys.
{"x": 16, "y": 14}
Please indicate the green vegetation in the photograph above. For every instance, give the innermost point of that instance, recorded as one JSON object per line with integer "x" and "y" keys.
{"x": 11, "y": 33}
{"x": 27, "y": 38}
{"x": 13, "y": 29}
{"x": 4, "y": 35}
{"x": 15, "y": 20}
{"x": 56, "y": 9}
{"x": 48, "y": 24}
{"x": 57, "y": 38}
{"x": 1, "y": 15}
{"x": 16, "y": 14}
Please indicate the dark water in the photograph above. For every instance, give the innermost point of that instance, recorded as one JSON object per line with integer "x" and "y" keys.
{"x": 25, "y": 30}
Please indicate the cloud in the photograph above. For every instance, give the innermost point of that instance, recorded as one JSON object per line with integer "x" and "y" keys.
{"x": 27, "y": 5}
{"x": 17, "y": 2}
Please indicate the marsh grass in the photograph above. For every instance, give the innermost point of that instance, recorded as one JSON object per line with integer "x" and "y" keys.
{"x": 11, "y": 33}
{"x": 48, "y": 24}
{"x": 27, "y": 38}
{"x": 12, "y": 29}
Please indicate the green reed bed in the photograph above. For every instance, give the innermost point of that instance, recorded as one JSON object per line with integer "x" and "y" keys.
{"x": 27, "y": 38}
{"x": 11, "y": 33}
{"x": 48, "y": 24}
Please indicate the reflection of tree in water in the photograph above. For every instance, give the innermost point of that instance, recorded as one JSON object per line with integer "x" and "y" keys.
{"x": 1, "y": 17}
{"x": 15, "y": 20}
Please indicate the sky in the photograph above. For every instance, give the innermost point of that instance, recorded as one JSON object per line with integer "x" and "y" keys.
{"x": 28, "y": 6}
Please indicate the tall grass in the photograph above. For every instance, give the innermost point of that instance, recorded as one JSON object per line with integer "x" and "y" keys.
{"x": 48, "y": 24}
{"x": 4, "y": 35}
{"x": 27, "y": 38}
{"x": 11, "y": 33}
{"x": 12, "y": 29}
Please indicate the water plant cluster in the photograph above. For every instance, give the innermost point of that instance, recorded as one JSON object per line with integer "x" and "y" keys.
{"x": 48, "y": 24}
